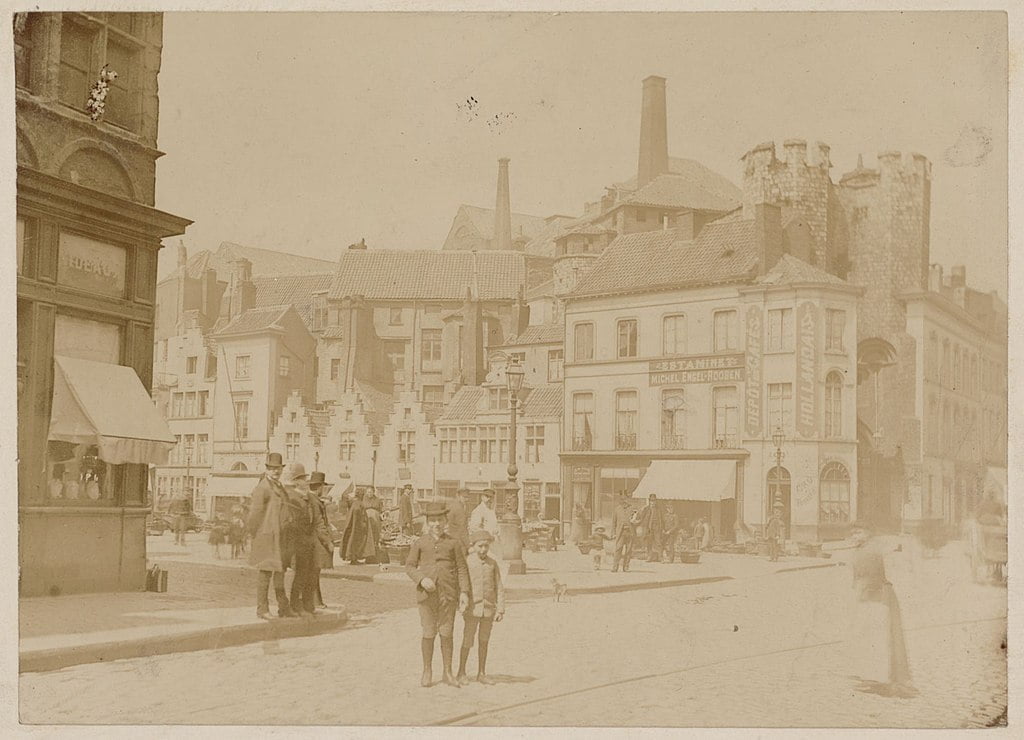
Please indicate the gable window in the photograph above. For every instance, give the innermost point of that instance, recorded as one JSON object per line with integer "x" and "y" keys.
{"x": 673, "y": 335}
{"x": 203, "y": 400}
{"x": 283, "y": 366}
{"x": 190, "y": 403}
{"x": 190, "y": 365}
{"x": 497, "y": 398}
{"x": 555, "y": 360}
{"x": 406, "y": 447}
{"x": 780, "y": 330}
{"x": 347, "y": 446}
{"x": 725, "y": 417}
{"x": 583, "y": 342}
{"x": 242, "y": 366}
{"x": 835, "y": 325}
{"x": 625, "y": 420}
{"x": 430, "y": 347}
{"x": 725, "y": 331}
{"x": 627, "y": 338}
{"x": 446, "y": 435}
{"x": 291, "y": 446}
{"x": 582, "y": 421}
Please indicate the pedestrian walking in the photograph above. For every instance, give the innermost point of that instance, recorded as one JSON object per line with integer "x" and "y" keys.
{"x": 580, "y": 524}
{"x": 303, "y": 522}
{"x": 623, "y": 529}
{"x": 218, "y": 535}
{"x": 357, "y": 541}
{"x": 183, "y": 513}
{"x": 324, "y": 541}
{"x": 483, "y": 516}
{"x": 458, "y": 517}
{"x": 597, "y": 541}
{"x": 236, "y": 532}
{"x": 269, "y": 524}
{"x": 486, "y": 605}
{"x": 652, "y": 521}
{"x": 405, "y": 510}
{"x": 878, "y": 653}
{"x": 773, "y": 532}
{"x": 669, "y": 534}
{"x": 437, "y": 566}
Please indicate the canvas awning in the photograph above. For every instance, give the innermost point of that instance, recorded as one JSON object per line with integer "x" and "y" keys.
{"x": 96, "y": 403}
{"x": 689, "y": 480}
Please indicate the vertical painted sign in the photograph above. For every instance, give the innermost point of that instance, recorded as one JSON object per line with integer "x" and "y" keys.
{"x": 806, "y": 370}
{"x": 754, "y": 404}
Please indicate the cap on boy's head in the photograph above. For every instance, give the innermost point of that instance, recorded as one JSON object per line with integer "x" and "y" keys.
{"x": 652, "y": 497}
{"x": 481, "y": 535}
{"x": 487, "y": 493}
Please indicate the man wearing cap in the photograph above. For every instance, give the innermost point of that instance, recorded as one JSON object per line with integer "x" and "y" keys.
{"x": 303, "y": 538}
{"x": 458, "y": 517}
{"x": 269, "y": 523}
{"x": 773, "y": 532}
{"x": 653, "y": 522}
{"x": 483, "y": 516}
{"x": 623, "y": 529}
{"x": 486, "y": 604}
{"x": 437, "y": 565}
{"x": 324, "y": 541}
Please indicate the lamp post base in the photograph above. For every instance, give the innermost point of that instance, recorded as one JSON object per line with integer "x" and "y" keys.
{"x": 511, "y": 535}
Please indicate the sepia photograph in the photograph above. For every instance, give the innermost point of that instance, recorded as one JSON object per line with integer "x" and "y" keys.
{"x": 507, "y": 369}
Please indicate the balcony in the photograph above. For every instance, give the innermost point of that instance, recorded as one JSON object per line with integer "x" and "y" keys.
{"x": 582, "y": 443}
{"x": 673, "y": 442}
{"x": 625, "y": 441}
{"x": 724, "y": 443}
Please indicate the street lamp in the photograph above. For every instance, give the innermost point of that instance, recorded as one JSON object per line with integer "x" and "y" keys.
{"x": 188, "y": 478}
{"x": 777, "y": 439}
{"x": 511, "y": 525}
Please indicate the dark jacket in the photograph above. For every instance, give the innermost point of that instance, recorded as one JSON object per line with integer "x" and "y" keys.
{"x": 269, "y": 521}
{"x": 442, "y": 561}
{"x": 458, "y": 521}
{"x": 622, "y": 525}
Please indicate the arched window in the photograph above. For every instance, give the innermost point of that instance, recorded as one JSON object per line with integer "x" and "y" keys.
{"x": 239, "y": 467}
{"x": 779, "y": 491}
{"x": 834, "y": 405}
{"x": 834, "y": 505}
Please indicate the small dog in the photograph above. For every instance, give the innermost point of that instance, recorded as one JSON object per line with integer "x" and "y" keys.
{"x": 561, "y": 589}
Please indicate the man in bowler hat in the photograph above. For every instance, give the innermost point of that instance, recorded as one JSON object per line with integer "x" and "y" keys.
{"x": 270, "y": 526}
{"x": 437, "y": 565}
{"x": 324, "y": 541}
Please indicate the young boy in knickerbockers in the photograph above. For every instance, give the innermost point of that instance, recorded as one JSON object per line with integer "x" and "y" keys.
{"x": 486, "y": 604}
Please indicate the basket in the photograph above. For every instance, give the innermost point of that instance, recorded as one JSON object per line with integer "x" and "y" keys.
{"x": 397, "y": 554}
{"x": 692, "y": 557}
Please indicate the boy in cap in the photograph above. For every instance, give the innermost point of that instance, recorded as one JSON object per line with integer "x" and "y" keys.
{"x": 437, "y": 566}
{"x": 486, "y": 604}
{"x": 597, "y": 540}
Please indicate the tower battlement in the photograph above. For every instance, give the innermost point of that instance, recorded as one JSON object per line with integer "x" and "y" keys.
{"x": 764, "y": 156}
{"x": 892, "y": 165}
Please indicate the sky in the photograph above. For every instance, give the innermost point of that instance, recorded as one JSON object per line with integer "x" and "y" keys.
{"x": 305, "y": 132}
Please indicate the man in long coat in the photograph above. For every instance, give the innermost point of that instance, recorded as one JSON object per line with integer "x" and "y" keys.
{"x": 405, "y": 510}
{"x": 653, "y": 522}
{"x": 322, "y": 526}
{"x": 356, "y": 542}
{"x": 437, "y": 565}
{"x": 458, "y": 517}
{"x": 623, "y": 529}
{"x": 269, "y": 523}
{"x": 304, "y": 515}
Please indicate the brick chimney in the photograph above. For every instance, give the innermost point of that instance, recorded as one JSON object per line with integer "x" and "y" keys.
{"x": 958, "y": 276}
{"x": 241, "y": 291}
{"x": 473, "y": 370}
{"x": 768, "y": 232}
{"x": 935, "y": 278}
{"x": 502, "y": 209}
{"x": 653, "y": 160}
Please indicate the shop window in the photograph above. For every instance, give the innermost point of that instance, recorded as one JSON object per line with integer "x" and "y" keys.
{"x": 725, "y": 331}
{"x": 583, "y": 342}
{"x": 673, "y": 335}
{"x": 835, "y": 495}
{"x": 627, "y": 338}
{"x": 673, "y": 419}
{"x": 555, "y": 362}
{"x": 780, "y": 330}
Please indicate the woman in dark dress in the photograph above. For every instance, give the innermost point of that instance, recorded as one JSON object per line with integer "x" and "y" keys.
{"x": 357, "y": 543}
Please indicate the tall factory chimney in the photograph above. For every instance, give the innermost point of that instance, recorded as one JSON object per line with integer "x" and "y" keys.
{"x": 653, "y": 160}
{"x": 502, "y": 209}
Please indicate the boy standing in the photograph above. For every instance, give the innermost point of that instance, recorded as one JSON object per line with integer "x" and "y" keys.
{"x": 597, "y": 540}
{"x": 437, "y": 566}
{"x": 486, "y": 604}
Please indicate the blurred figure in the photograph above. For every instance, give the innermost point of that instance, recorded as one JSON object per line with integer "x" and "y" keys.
{"x": 878, "y": 653}
{"x": 773, "y": 532}
{"x": 624, "y": 521}
{"x": 652, "y": 521}
{"x": 372, "y": 505}
{"x": 236, "y": 532}
{"x": 670, "y": 531}
{"x": 458, "y": 518}
{"x": 357, "y": 543}
{"x": 405, "y": 510}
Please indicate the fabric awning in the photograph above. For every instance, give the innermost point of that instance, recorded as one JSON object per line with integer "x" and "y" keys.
{"x": 689, "y": 480}
{"x": 106, "y": 405}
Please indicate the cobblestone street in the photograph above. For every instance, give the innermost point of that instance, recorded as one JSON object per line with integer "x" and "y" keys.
{"x": 758, "y": 651}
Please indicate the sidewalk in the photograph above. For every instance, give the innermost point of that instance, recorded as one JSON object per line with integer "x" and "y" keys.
{"x": 566, "y": 565}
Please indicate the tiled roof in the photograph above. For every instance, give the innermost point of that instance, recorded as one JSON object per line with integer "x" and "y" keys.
{"x": 298, "y": 290}
{"x": 428, "y": 275}
{"x": 722, "y": 252}
{"x": 522, "y": 224}
{"x": 539, "y": 291}
{"x": 255, "y": 320}
{"x": 332, "y": 332}
{"x": 790, "y": 269}
{"x": 543, "y": 243}
{"x": 707, "y": 180}
{"x": 540, "y": 402}
{"x": 590, "y": 229}
{"x": 678, "y": 191}
{"x": 539, "y": 334}
{"x": 543, "y": 401}
{"x": 264, "y": 262}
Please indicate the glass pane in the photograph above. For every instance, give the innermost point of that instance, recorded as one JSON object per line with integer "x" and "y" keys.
{"x": 87, "y": 340}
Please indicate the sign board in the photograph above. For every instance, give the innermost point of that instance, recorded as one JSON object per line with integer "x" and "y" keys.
{"x": 806, "y": 395}
{"x": 581, "y": 475}
{"x": 90, "y": 265}
{"x": 754, "y": 400}
{"x": 697, "y": 369}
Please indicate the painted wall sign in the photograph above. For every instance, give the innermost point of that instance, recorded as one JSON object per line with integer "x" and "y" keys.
{"x": 754, "y": 401}
{"x": 806, "y": 370}
{"x": 698, "y": 369}
{"x": 90, "y": 265}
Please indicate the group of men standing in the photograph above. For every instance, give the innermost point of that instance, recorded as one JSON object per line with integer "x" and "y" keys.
{"x": 289, "y": 528}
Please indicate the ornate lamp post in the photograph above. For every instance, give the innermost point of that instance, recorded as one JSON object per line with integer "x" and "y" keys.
{"x": 188, "y": 478}
{"x": 511, "y": 523}
{"x": 777, "y": 438}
